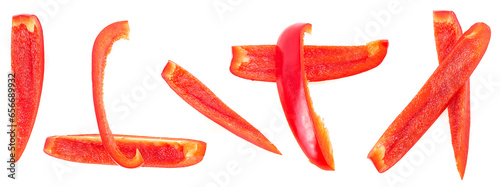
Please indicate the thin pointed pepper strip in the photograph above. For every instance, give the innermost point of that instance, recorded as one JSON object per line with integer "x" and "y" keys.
{"x": 447, "y": 31}
{"x": 257, "y": 62}
{"x": 27, "y": 61}
{"x": 306, "y": 125}
{"x": 102, "y": 47}
{"x": 196, "y": 94}
{"x": 157, "y": 152}
{"x": 432, "y": 99}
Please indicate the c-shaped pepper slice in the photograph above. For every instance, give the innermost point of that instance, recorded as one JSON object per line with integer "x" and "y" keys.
{"x": 27, "y": 61}
{"x": 306, "y": 125}
{"x": 258, "y": 62}
{"x": 432, "y": 99}
{"x": 102, "y": 47}
{"x": 447, "y": 31}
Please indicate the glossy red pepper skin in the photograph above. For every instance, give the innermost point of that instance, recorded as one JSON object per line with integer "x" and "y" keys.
{"x": 447, "y": 31}
{"x": 102, "y": 47}
{"x": 257, "y": 62}
{"x": 196, "y": 94}
{"x": 306, "y": 125}
{"x": 432, "y": 99}
{"x": 27, "y": 61}
{"x": 157, "y": 152}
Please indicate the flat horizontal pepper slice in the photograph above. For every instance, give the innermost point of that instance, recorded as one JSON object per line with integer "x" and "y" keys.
{"x": 27, "y": 62}
{"x": 257, "y": 62}
{"x": 306, "y": 125}
{"x": 196, "y": 94}
{"x": 102, "y": 47}
{"x": 447, "y": 31}
{"x": 432, "y": 99}
{"x": 157, "y": 152}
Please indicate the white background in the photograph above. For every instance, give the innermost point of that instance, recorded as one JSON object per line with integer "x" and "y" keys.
{"x": 198, "y": 35}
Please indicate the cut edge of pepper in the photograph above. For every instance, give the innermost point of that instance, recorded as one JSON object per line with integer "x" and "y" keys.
{"x": 448, "y": 19}
{"x": 377, "y": 50}
{"x": 378, "y": 152}
{"x": 323, "y": 138}
{"x": 169, "y": 69}
{"x": 239, "y": 57}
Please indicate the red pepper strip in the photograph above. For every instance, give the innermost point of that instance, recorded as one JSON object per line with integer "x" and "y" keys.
{"x": 27, "y": 61}
{"x": 257, "y": 62}
{"x": 157, "y": 152}
{"x": 196, "y": 94}
{"x": 447, "y": 31}
{"x": 432, "y": 99}
{"x": 102, "y": 47}
{"x": 306, "y": 125}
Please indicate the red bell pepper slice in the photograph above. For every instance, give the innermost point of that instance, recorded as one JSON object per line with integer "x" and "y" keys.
{"x": 257, "y": 62}
{"x": 447, "y": 31}
{"x": 27, "y": 61}
{"x": 432, "y": 99}
{"x": 196, "y": 94}
{"x": 157, "y": 152}
{"x": 306, "y": 125}
{"x": 102, "y": 47}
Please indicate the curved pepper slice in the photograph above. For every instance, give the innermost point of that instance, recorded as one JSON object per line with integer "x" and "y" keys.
{"x": 306, "y": 125}
{"x": 447, "y": 31}
{"x": 27, "y": 61}
{"x": 102, "y": 47}
{"x": 432, "y": 99}
{"x": 196, "y": 94}
{"x": 157, "y": 152}
{"x": 257, "y": 62}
